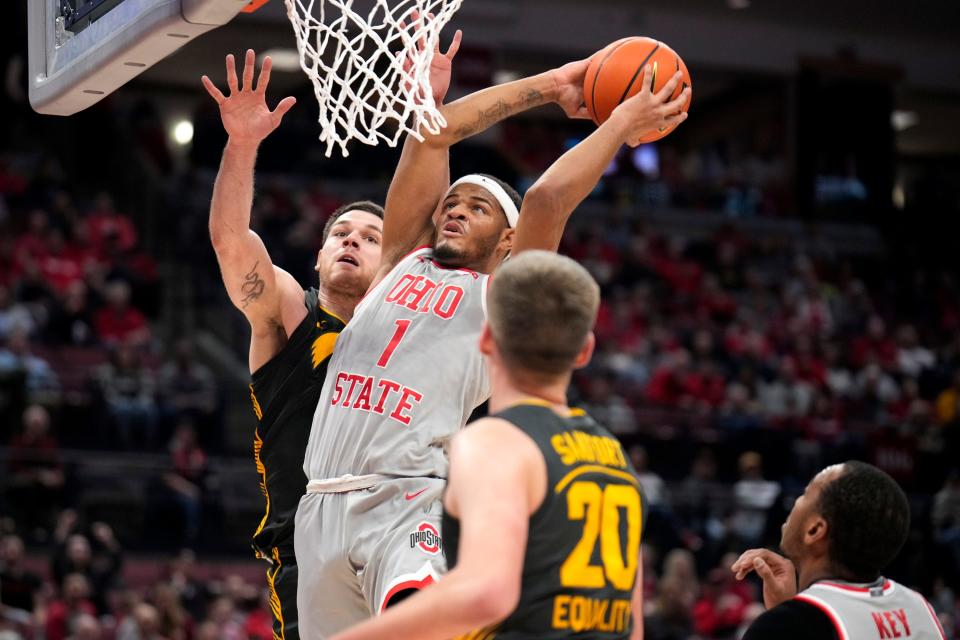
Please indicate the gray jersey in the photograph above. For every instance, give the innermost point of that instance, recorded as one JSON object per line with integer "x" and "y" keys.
{"x": 405, "y": 375}
{"x": 884, "y": 609}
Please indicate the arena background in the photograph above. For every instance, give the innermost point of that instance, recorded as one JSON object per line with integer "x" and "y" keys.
{"x": 780, "y": 281}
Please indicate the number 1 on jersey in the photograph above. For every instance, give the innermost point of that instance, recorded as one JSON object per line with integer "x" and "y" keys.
{"x": 402, "y": 326}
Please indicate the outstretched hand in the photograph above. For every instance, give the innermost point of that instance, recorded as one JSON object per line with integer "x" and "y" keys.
{"x": 648, "y": 111}
{"x": 441, "y": 68}
{"x": 244, "y": 113}
{"x": 778, "y": 574}
{"x": 441, "y": 65}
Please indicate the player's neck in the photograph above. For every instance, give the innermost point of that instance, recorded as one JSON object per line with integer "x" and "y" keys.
{"x": 507, "y": 390}
{"x": 337, "y": 303}
{"x": 815, "y": 569}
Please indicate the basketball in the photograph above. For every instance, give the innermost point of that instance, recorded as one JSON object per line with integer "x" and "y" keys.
{"x": 614, "y": 75}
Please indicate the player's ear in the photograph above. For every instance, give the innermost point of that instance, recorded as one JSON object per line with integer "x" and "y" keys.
{"x": 816, "y": 530}
{"x": 316, "y": 267}
{"x": 486, "y": 340}
{"x": 506, "y": 240}
{"x": 586, "y": 352}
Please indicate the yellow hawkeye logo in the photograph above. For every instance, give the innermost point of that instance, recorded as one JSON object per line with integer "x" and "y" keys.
{"x": 323, "y": 347}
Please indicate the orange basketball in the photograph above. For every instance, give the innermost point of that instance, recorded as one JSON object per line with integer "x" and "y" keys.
{"x": 614, "y": 75}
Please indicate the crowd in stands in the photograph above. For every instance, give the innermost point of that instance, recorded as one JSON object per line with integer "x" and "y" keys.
{"x": 747, "y": 339}
{"x": 84, "y": 594}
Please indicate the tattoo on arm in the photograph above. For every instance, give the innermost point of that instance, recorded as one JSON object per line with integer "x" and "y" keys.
{"x": 533, "y": 98}
{"x": 502, "y": 109}
{"x": 252, "y": 287}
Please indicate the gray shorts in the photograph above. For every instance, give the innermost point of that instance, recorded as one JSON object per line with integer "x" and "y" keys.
{"x": 358, "y": 549}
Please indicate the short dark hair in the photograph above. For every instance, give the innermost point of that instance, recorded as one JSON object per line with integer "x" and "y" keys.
{"x": 541, "y": 308}
{"x": 868, "y": 519}
{"x": 517, "y": 200}
{"x": 360, "y": 205}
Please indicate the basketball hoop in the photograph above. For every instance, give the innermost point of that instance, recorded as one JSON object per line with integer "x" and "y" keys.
{"x": 368, "y": 72}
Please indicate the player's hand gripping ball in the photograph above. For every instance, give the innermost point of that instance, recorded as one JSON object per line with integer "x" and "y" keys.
{"x": 614, "y": 75}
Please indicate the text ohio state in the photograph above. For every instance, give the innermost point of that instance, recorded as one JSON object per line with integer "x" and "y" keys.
{"x": 381, "y": 395}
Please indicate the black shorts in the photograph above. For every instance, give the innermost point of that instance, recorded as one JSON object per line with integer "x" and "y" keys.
{"x": 282, "y": 582}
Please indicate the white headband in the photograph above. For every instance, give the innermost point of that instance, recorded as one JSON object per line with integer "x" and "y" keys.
{"x": 498, "y": 192}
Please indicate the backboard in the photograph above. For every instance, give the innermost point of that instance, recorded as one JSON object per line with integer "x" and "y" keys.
{"x": 82, "y": 50}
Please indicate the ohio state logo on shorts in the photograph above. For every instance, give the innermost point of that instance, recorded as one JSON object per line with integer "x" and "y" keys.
{"x": 427, "y": 538}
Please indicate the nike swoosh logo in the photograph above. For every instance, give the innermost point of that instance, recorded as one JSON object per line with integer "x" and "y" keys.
{"x": 411, "y": 496}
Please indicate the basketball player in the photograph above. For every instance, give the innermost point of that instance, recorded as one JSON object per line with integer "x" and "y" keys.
{"x": 846, "y": 527}
{"x": 543, "y": 511}
{"x": 406, "y": 373}
{"x": 292, "y": 330}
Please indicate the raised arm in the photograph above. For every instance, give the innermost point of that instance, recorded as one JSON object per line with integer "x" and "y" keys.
{"x": 549, "y": 202}
{"x": 269, "y": 297}
{"x": 423, "y": 173}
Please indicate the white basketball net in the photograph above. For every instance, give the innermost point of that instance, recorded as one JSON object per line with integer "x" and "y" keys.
{"x": 355, "y": 61}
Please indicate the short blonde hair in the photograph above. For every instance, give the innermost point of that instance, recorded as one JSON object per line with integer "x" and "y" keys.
{"x": 541, "y": 309}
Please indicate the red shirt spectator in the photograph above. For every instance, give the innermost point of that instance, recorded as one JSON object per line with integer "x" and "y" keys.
{"x": 704, "y": 385}
{"x": 75, "y": 601}
{"x": 876, "y": 346}
{"x": 259, "y": 623}
{"x": 105, "y": 222}
{"x": 60, "y": 266}
{"x": 721, "y": 608}
{"x": 118, "y": 321}
{"x": 32, "y": 245}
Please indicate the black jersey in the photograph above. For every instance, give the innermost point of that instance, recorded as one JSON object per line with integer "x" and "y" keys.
{"x": 583, "y": 544}
{"x": 285, "y": 392}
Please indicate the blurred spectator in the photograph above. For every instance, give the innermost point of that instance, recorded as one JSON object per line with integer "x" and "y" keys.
{"x": 85, "y": 627}
{"x": 874, "y": 389}
{"x": 739, "y": 412}
{"x": 946, "y": 517}
{"x": 74, "y": 602}
{"x": 17, "y": 360}
{"x": 128, "y": 393}
{"x": 679, "y": 567}
{"x": 912, "y": 357}
{"x": 259, "y": 624}
{"x": 948, "y": 402}
{"x": 701, "y": 501}
{"x": 19, "y": 587}
{"x": 787, "y": 396}
{"x": 13, "y": 316}
{"x": 186, "y": 480}
{"x": 229, "y": 622}
{"x": 36, "y": 477}
{"x": 60, "y": 266}
{"x": 208, "y": 631}
{"x": 652, "y": 484}
{"x": 73, "y": 554}
{"x": 144, "y": 624}
{"x": 187, "y": 387}
{"x": 105, "y": 222}
{"x": 753, "y": 498}
{"x": 838, "y": 378}
{"x": 118, "y": 322}
{"x": 722, "y": 605}
{"x": 31, "y": 245}
{"x": 175, "y": 622}
{"x": 72, "y": 320}
{"x": 876, "y": 346}
{"x": 192, "y": 592}
{"x": 670, "y": 615}
{"x": 609, "y": 408}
